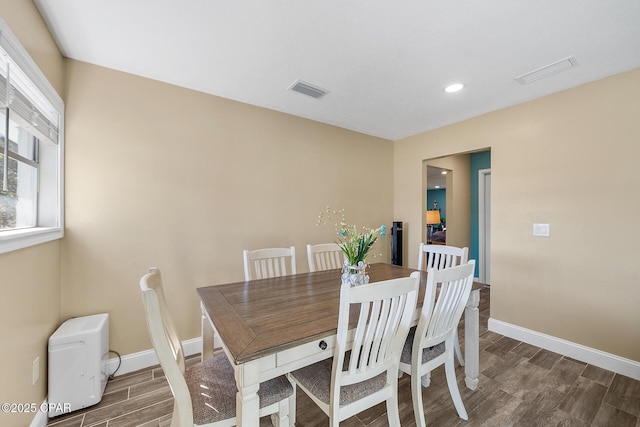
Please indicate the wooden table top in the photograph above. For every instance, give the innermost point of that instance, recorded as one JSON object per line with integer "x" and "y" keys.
{"x": 260, "y": 317}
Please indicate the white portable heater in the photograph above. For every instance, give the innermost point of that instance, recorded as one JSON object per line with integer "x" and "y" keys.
{"x": 78, "y": 353}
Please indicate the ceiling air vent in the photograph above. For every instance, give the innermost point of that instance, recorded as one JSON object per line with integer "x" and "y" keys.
{"x": 547, "y": 70}
{"x": 307, "y": 89}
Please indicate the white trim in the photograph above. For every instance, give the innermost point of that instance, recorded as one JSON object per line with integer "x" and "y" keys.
{"x": 11, "y": 240}
{"x": 611, "y": 362}
{"x": 482, "y": 230}
{"x": 147, "y": 358}
{"x": 51, "y": 198}
{"x": 19, "y": 54}
{"x": 42, "y": 418}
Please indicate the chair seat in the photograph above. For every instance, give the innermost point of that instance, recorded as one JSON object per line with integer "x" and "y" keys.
{"x": 428, "y": 354}
{"x": 316, "y": 379}
{"x": 213, "y": 390}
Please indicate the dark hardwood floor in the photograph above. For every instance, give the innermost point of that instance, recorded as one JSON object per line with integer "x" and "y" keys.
{"x": 520, "y": 385}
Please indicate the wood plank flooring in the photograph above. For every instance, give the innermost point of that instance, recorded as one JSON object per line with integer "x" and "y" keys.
{"x": 520, "y": 385}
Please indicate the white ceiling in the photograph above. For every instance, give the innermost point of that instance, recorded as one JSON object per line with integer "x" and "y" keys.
{"x": 384, "y": 62}
{"x": 436, "y": 178}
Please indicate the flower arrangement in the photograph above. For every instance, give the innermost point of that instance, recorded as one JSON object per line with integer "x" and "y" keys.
{"x": 354, "y": 242}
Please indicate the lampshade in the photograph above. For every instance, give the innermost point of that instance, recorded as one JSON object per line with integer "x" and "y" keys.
{"x": 433, "y": 217}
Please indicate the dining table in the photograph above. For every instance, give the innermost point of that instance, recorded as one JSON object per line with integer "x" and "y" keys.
{"x": 270, "y": 327}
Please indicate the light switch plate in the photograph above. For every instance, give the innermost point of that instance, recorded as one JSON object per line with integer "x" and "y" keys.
{"x": 541, "y": 230}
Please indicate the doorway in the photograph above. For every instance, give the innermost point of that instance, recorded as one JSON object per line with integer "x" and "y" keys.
{"x": 462, "y": 203}
{"x": 436, "y": 204}
{"x": 456, "y": 208}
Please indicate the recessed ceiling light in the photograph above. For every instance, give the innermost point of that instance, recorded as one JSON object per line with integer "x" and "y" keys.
{"x": 454, "y": 88}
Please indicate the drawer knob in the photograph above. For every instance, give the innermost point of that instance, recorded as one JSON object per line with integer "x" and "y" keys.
{"x": 323, "y": 345}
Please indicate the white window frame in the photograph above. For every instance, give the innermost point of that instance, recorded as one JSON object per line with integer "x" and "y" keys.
{"x": 51, "y": 197}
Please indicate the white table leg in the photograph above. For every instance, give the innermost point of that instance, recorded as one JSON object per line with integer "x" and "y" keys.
{"x": 208, "y": 335}
{"x": 247, "y": 401}
{"x": 472, "y": 340}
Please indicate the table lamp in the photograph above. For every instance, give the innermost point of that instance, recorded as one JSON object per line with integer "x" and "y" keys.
{"x": 433, "y": 217}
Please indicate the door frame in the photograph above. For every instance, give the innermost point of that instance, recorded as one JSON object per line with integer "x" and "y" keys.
{"x": 483, "y": 233}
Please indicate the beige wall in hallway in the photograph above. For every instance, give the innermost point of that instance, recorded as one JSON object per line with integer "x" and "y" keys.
{"x": 30, "y": 282}
{"x": 162, "y": 176}
{"x": 583, "y": 283}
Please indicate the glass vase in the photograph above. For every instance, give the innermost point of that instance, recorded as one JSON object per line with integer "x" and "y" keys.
{"x": 355, "y": 275}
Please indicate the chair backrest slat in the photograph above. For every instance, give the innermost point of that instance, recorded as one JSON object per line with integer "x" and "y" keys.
{"x": 266, "y": 263}
{"x": 324, "y": 256}
{"x": 441, "y": 256}
{"x": 440, "y": 316}
{"x": 166, "y": 343}
{"x": 385, "y": 313}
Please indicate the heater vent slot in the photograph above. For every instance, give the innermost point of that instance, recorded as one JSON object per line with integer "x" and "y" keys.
{"x": 547, "y": 70}
{"x": 308, "y": 89}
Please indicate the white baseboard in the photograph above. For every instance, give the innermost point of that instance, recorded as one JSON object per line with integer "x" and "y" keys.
{"x": 611, "y": 362}
{"x": 146, "y": 358}
{"x": 41, "y": 418}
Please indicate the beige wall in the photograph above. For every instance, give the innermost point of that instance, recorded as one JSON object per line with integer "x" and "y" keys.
{"x": 30, "y": 282}
{"x": 570, "y": 160}
{"x": 163, "y": 176}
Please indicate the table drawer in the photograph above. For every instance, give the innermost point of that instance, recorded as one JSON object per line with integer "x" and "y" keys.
{"x": 324, "y": 345}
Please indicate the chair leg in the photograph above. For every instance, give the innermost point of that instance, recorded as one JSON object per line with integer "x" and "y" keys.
{"x": 292, "y": 406}
{"x": 458, "y": 352}
{"x": 286, "y": 415}
{"x": 175, "y": 418}
{"x": 416, "y": 393}
{"x": 393, "y": 414}
{"x": 281, "y": 418}
{"x": 453, "y": 388}
{"x": 275, "y": 420}
{"x": 425, "y": 380}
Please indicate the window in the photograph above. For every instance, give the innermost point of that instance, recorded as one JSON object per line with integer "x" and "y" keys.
{"x": 31, "y": 150}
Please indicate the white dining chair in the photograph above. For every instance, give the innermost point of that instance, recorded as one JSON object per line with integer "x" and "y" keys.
{"x": 367, "y": 374}
{"x": 266, "y": 263}
{"x": 431, "y": 343}
{"x": 324, "y": 256}
{"x": 443, "y": 256}
{"x": 204, "y": 394}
